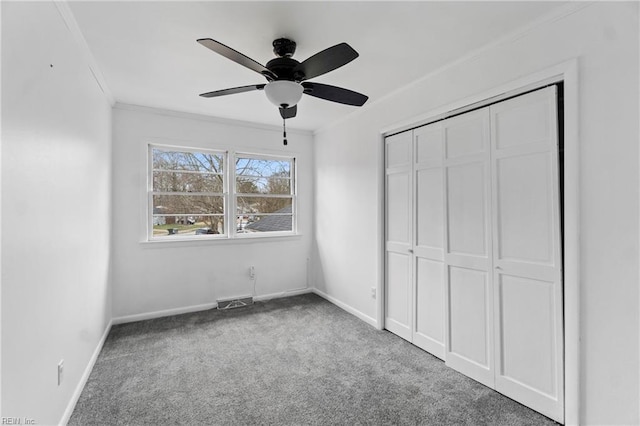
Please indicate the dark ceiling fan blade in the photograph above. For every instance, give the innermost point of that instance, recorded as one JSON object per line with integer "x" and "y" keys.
{"x": 289, "y": 112}
{"x": 237, "y": 57}
{"x": 233, "y": 90}
{"x": 327, "y": 60}
{"x": 334, "y": 94}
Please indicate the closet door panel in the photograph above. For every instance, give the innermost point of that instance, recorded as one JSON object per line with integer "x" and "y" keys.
{"x": 430, "y": 285}
{"x": 399, "y": 234}
{"x": 525, "y": 219}
{"x": 429, "y": 320}
{"x": 469, "y": 294}
{"x": 465, "y": 135}
{"x": 469, "y": 324}
{"x": 399, "y": 219}
{"x": 430, "y": 208}
{"x": 468, "y": 307}
{"x": 398, "y": 296}
{"x": 529, "y": 123}
{"x": 398, "y": 150}
{"x": 526, "y": 308}
{"x": 466, "y": 198}
{"x": 527, "y": 252}
{"x": 428, "y": 143}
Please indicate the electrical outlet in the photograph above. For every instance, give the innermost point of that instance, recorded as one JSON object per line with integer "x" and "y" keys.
{"x": 373, "y": 292}
{"x": 252, "y": 272}
{"x": 60, "y": 371}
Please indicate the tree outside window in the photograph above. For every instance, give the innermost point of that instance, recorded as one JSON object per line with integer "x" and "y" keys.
{"x": 189, "y": 195}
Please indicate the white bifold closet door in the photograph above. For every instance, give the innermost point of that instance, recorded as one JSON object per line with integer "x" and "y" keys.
{"x": 415, "y": 247}
{"x": 468, "y": 248}
{"x": 399, "y": 287}
{"x": 428, "y": 250}
{"x": 473, "y": 254}
{"x": 527, "y": 252}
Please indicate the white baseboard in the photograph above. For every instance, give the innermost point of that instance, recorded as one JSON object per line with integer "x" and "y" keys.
{"x": 282, "y": 294}
{"x": 85, "y": 376}
{"x": 366, "y": 318}
{"x": 163, "y": 313}
{"x": 203, "y": 307}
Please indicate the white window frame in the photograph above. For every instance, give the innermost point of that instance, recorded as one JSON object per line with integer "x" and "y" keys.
{"x": 292, "y": 195}
{"x": 229, "y": 195}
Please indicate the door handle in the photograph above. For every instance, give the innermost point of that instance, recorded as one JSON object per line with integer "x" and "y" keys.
{"x": 410, "y": 250}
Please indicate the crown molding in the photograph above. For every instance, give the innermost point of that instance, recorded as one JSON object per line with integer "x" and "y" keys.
{"x": 209, "y": 118}
{"x": 72, "y": 25}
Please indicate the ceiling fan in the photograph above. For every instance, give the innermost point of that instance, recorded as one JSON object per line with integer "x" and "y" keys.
{"x": 287, "y": 78}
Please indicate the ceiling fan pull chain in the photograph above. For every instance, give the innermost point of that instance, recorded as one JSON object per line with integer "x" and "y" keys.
{"x": 284, "y": 131}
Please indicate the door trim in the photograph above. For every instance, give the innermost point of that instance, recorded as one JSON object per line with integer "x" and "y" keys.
{"x": 567, "y": 73}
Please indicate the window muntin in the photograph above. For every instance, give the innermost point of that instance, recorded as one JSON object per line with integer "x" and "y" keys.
{"x": 264, "y": 196}
{"x": 189, "y": 192}
{"x": 187, "y": 196}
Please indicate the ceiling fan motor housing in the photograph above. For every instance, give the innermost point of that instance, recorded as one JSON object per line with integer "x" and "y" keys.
{"x": 283, "y": 66}
{"x": 284, "y": 69}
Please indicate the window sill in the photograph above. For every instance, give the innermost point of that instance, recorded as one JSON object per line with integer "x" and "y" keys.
{"x": 239, "y": 239}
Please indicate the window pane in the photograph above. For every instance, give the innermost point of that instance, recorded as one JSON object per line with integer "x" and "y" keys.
{"x": 187, "y": 204}
{"x": 270, "y": 223}
{"x": 255, "y": 205}
{"x": 186, "y": 182}
{"x": 259, "y": 185}
{"x": 252, "y": 167}
{"x": 166, "y": 226}
{"x": 192, "y": 161}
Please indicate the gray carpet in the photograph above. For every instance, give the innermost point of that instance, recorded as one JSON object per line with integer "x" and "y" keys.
{"x": 293, "y": 361}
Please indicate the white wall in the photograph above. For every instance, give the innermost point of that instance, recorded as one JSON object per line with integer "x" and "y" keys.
{"x": 151, "y": 277}
{"x": 56, "y": 185}
{"x": 348, "y": 158}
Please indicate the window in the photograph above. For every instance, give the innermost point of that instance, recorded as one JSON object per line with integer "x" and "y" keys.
{"x": 264, "y": 194}
{"x": 191, "y": 194}
{"x": 188, "y": 192}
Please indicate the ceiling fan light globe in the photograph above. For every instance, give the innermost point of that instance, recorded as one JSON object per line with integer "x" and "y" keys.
{"x": 284, "y": 93}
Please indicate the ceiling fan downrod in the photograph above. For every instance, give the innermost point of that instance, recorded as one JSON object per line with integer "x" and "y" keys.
{"x": 284, "y": 48}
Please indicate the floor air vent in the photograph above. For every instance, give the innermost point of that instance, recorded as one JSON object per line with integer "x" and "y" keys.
{"x": 235, "y": 303}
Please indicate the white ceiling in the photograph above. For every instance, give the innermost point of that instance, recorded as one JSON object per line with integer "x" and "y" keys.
{"x": 148, "y": 54}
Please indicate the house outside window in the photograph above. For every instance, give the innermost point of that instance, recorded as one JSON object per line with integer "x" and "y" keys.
{"x": 195, "y": 194}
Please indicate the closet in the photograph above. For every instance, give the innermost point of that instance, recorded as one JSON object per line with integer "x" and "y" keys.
{"x": 473, "y": 255}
